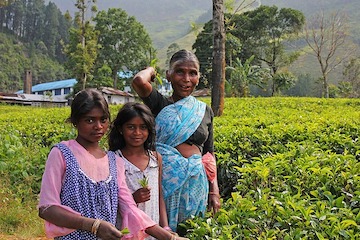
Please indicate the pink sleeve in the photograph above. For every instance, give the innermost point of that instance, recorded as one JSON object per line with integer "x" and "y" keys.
{"x": 50, "y": 190}
{"x": 209, "y": 163}
{"x": 131, "y": 216}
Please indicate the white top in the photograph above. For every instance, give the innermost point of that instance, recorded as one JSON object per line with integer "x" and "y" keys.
{"x": 134, "y": 175}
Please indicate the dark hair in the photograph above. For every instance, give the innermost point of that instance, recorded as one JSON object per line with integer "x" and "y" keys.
{"x": 84, "y": 102}
{"x": 126, "y": 113}
{"x": 183, "y": 56}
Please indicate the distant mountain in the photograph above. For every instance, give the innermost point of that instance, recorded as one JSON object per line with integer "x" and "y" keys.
{"x": 165, "y": 20}
{"x": 168, "y": 20}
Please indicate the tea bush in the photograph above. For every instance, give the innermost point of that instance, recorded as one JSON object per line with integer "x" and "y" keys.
{"x": 288, "y": 168}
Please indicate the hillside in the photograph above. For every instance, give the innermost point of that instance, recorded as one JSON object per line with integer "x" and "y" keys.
{"x": 169, "y": 21}
{"x": 165, "y": 20}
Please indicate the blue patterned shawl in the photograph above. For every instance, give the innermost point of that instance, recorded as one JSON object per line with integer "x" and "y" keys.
{"x": 184, "y": 182}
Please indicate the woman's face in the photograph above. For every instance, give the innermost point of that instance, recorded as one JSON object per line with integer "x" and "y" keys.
{"x": 184, "y": 77}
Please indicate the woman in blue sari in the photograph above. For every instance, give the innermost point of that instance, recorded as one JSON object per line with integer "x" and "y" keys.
{"x": 184, "y": 133}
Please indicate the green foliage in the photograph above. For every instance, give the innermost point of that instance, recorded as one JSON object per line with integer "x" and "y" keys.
{"x": 31, "y": 37}
{"x": 203, "y": 46}
{"x": 173, "y": 48}
{"x": 293, "y": 169}
{"x": 124, "y": 42}
{"x": 17, "y": 58}
{"x": 243, "y": 75}
{"x": 288, "y": 168}
{"x": 33, "y": 22}
{"x": 157, "y": 79}
{"x": 261, "y": 33}
{"x": 350, "y": 86}
{"x": 283, "y": 81}
{"x": 144, "y": 182}
{"x": 83, "y": 45}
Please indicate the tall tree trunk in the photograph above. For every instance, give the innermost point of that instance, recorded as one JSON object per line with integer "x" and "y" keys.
{"x": 325, "y": 87}
{"x": 115, "y": 78}
{"x": 218, "y": 64}
{"x": 83, "y": 43}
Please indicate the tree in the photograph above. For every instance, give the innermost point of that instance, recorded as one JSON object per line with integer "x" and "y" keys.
{"x": 305, "y": 86}
{"x": 34, "y": 25}
{"x": 203, "y": 49}
{"x": 218, "y": 64}
{"x": 51, "y": 26}
{"x": 4, "y": 3}
{"x": 173, "y": 48}
{"x": 64, "y": 35}
{"x": 125, "y": 44}
{"x": 262, "y": 32}
{"x": 351, "y": 75}
{"x": 82, "y": 48}
{"x": 242, "y": 75}
{"x": 283, "y": 81}
{"x": 326, "y": 36}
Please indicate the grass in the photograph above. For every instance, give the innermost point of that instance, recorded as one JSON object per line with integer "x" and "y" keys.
{"x": 18, "y": 217}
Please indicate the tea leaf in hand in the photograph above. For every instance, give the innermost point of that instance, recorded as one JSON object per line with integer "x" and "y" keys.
{"x": 157, "y": 75}
{"x": 144, "y": 182}
{"x": 125, "y": 231}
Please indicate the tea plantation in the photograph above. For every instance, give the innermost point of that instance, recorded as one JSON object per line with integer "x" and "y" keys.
{"x": 288, "y": 168}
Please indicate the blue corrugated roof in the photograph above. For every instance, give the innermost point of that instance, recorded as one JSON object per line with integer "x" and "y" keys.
{"x": 52, "y": 85}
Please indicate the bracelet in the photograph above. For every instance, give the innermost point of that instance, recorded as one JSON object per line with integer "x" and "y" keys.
{"x": 214, "y": 193}
{"x": 167, "y": 228}
{"x": 95, "y": 226}
{"x": 173, "y": 237}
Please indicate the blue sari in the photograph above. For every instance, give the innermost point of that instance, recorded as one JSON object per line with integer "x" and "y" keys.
{"x": 184, "y": 181}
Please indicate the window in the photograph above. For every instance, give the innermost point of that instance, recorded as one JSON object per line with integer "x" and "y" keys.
{"x": 66, "y": 90}
{"x": 57, "y": 92}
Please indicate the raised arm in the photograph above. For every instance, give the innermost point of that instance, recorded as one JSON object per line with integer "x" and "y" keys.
{"x": 142, "y": 81}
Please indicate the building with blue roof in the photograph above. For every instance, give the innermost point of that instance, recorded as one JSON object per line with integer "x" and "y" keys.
{"x": 60, "y": 88}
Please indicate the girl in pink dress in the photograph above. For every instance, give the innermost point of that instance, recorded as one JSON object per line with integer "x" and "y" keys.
{"x": 83, "y": 187}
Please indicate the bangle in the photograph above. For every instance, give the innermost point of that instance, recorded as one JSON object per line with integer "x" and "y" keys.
{"x": 214, "y": 193}
{"x": 173, "y": 237}
{"x": 167, "y": 228}
{"x": 95, "y": 226}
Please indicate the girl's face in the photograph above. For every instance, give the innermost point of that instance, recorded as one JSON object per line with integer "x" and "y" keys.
{"x": 135, "y": 132}
{"x": 92, "y": 126}
{"x": 183, "y": 77}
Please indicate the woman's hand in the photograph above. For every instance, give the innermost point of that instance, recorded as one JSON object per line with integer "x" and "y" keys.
{"x": 142, "y": 195}
{"x": 214, "y": 202}
{"x": 107, "y": 231}
{"x": 142, "y": 81}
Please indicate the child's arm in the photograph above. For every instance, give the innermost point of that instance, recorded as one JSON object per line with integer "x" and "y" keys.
{"x": 63, "y": 218}
{"x": 162, "y": 209}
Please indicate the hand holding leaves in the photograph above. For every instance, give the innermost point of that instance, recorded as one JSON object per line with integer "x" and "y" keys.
{"x": 157, "y": 75}
{"x": 144, "y": 182}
